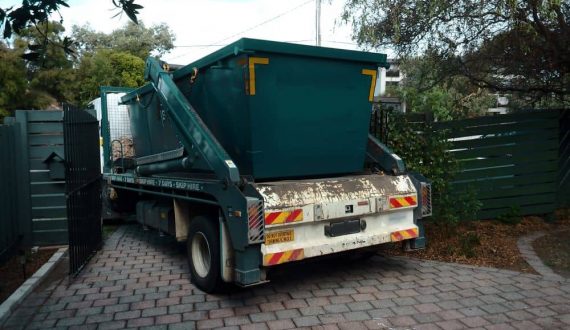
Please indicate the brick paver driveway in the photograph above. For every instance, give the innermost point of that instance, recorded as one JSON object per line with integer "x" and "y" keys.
{"x": 141, "y": 280}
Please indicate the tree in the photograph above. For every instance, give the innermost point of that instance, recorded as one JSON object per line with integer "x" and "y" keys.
{"x": 52, "y": 70}
{"x": 106, "y": 68}
{"x": 515, "y": 45}
{"x": 35, "y": 12}
{"x": 12, "y": 80}
{"x": 132, "y": 38}
{"x": 426, "y": 88}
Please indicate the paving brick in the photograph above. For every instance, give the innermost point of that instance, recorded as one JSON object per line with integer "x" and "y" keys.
{"x": 140, "y": 322}
{"x": 196, "y": 298}
{"x": 381, "y": 313}
{"x": 99, "y": 318}
{"x": 60, "y": 314}
{"x": 332, "y": 318}
{"x": 498, "y": 318}
{"x": 402, "y": 321}
{"x": 404, "y": 310}
{"x": 427, "y": 308}
{"x": 166, "y": 319}
{"x": 234, "y": 320}
{"x": 262, "y": 317}
{"x": 376, "y": 324}
{"x": 280, "y": 324}
{"x": 255, "y": 326}
{"x": 155, "y": 311}
{"x": 356, "y": 316}
{"x": 127, "y": 315}
{"x": 105, "y": 302}
{"x": 475, "y": 321}
{"x": 195, "y": 316}
{"x": 206, "y": 305}
{"x": 312, "y": 311}
{"x": 340, "y": 299}
{"x": 451, "y": 325}
{"x": 181, "y": 308}
{"x": 271, "y": 306}
{"x": 336, "y": 308}
{"x": 112, "y": 325}
{"x": 526, "y": 325}
{"x": 287, "y": 313}
{"x": 355, "y": 325}
{"x": 359, "y": 306}
{"x": 405, "y": 301}
{"x": 450, "y": 314}
{"x": 116, "y": 308}
{"x": 306, "y": 321}
{"x": 131, "y": 299}
{"x": 541, "y": 311}
{"x": 66, "y": 322}
{"x": 210, "y": 324}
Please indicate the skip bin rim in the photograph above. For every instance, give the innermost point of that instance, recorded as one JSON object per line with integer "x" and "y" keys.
{"x": 248, "y": 45}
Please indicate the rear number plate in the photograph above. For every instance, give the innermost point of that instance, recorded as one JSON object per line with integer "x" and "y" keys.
{"x": 279, "y": 237}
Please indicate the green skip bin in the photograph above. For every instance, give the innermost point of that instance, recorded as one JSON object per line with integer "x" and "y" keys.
{"x": 279, "y": 110}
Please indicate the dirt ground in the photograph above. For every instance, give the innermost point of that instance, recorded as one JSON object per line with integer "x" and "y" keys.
{"x": 488, "y": 243}
{"x": 554, "y": 250}
{"x": 12, "y": 273}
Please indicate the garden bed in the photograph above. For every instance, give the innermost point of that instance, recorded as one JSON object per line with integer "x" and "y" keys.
{"x": 13, "y": 273}
{"x": 490, "y": 243}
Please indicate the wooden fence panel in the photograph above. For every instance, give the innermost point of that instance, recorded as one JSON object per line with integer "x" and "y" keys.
{"x": 519, "y": 160}
{"x": 9, "y": 229}
{"x": 510, "y": 161}
{"x": 564, "y": 163}
{"x": 45, "y": 218}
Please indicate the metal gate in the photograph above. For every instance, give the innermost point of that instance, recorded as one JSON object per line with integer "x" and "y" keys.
{"x": 83, "y": 187}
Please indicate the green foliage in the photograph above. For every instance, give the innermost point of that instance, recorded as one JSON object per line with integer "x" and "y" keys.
{"x": 508, "y": 46}
{"x": 468, "y": 242}
{"x": 425, "y": 150}
{"x": 427, "y": 89}
{"x": 12, "y": 80}
{"x": 33, "y": 13}
{"x": 56, "y": 77}
{"x": 511, "y": 217}
{"x": 135, "y": 39}
{"x": 107, "y": 68}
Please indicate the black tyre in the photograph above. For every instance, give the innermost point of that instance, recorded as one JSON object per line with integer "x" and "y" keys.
{"x": 203, "y": 249}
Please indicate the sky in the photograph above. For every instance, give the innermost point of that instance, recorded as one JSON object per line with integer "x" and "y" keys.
{"x": 203, "y": 26}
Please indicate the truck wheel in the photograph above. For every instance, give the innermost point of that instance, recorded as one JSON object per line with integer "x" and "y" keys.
{"x": 203, "y": 248}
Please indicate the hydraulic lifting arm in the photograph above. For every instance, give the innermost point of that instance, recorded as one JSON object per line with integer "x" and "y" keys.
{"x": 193, "y": 133}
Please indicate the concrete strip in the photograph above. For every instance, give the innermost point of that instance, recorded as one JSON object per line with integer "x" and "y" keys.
{"x": 29, "y": 285}
{"x": 527, "y": 251}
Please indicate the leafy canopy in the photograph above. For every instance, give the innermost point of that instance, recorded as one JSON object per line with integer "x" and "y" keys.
{"x": 32, "y": 13}
{"x": 506, "y": 45}
{"x": 135, "y": 39}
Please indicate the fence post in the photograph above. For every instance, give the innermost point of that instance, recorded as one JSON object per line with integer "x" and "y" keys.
{"x": 23, "y": 166}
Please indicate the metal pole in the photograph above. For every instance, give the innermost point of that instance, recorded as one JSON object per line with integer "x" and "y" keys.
{"x": 318, "y": 24}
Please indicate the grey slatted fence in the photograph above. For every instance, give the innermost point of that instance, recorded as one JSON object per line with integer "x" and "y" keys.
{"x": 42, "y": 207}
{"x": 9, "y": 229}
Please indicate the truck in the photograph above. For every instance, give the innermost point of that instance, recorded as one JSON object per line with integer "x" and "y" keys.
{"x": 257, "y": 155}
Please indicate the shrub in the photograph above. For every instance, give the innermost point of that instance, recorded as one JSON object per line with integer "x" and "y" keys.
{"x": 425, "y": 150}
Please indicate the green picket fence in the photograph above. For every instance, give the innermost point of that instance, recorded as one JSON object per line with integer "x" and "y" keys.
{"x": 510, "y": 161}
